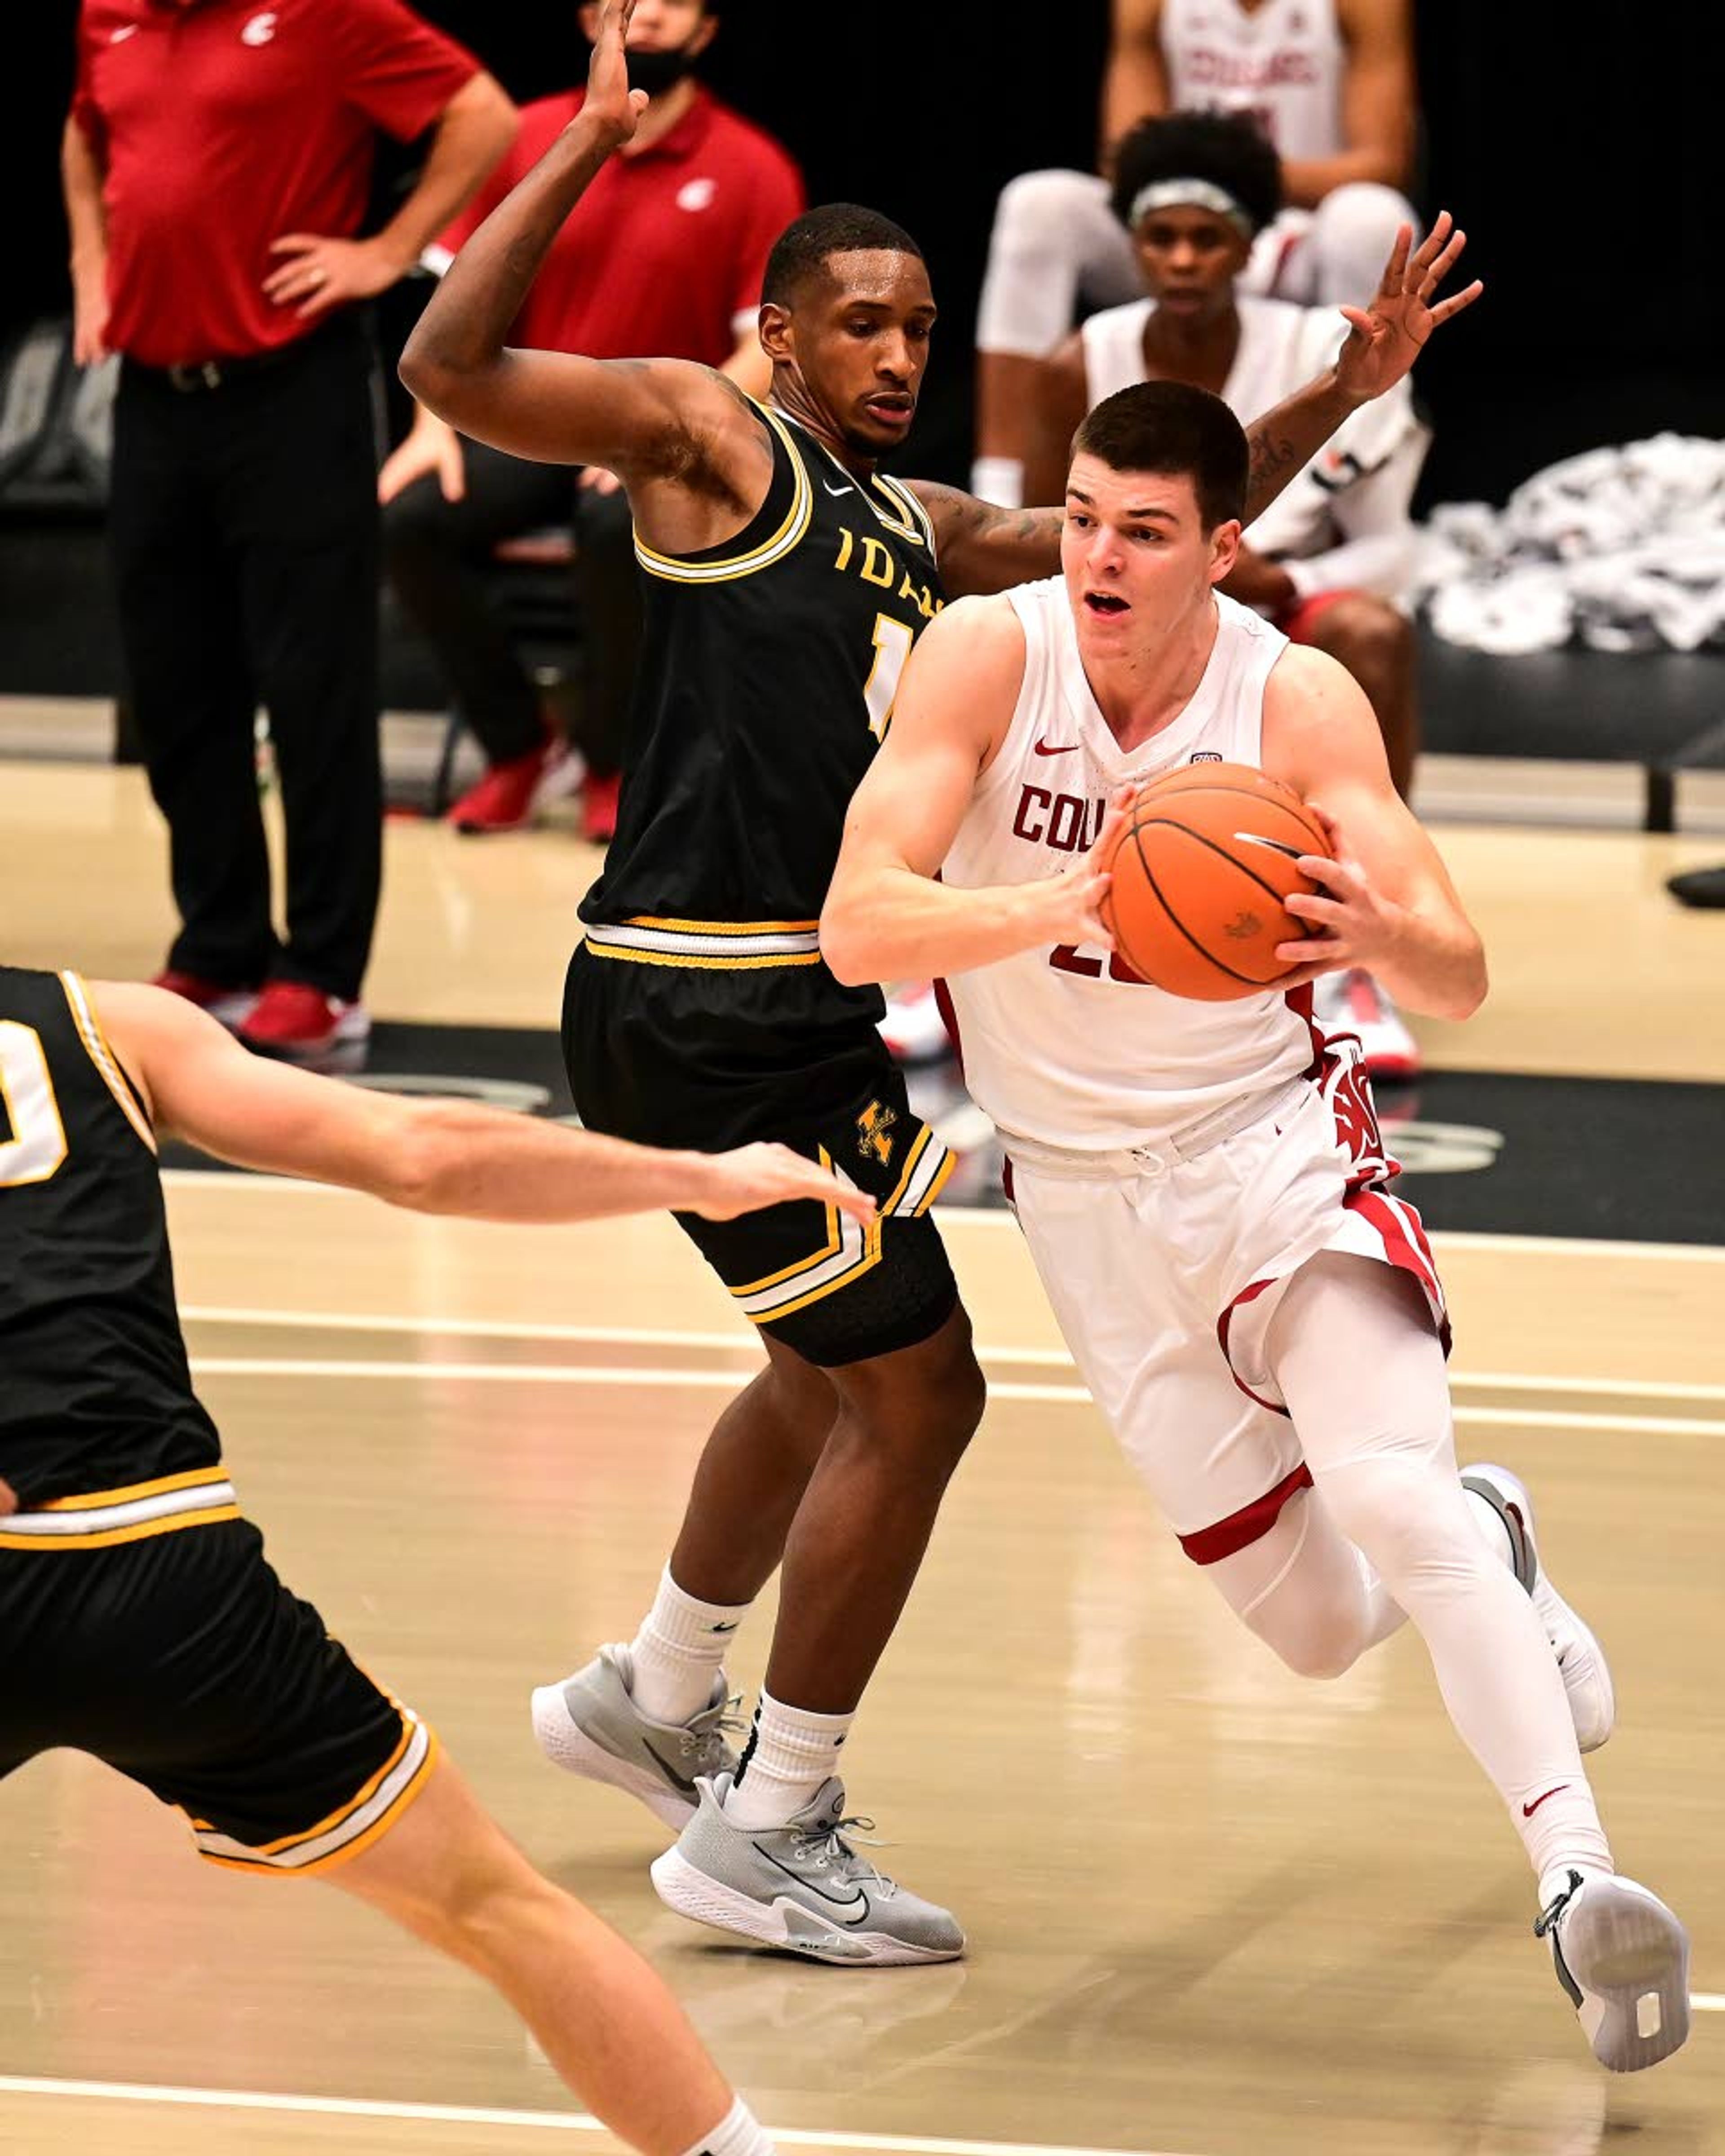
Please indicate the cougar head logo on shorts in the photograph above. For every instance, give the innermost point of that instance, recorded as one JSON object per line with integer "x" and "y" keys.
{"x": 872, "y": 1125}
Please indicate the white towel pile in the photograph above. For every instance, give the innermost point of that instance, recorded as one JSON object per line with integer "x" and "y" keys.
{"x": 1621, "y": 548}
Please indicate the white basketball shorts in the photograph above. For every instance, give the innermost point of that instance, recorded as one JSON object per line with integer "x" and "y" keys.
{"x": 1165, "y": 1266}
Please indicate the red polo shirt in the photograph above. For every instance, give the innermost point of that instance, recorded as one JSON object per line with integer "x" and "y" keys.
{"x": 663, "y": 254}
{"x": 222, "y": 126}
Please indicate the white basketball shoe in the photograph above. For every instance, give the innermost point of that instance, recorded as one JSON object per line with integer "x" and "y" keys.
{"x": 1623, "y": 1958}
{"x": 1501, "y": 1498}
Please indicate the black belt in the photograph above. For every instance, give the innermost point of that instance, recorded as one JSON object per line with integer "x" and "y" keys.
{"x": 197, "y": 376}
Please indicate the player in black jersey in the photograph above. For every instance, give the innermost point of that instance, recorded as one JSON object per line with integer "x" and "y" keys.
{"x": 786, "y": 581}
{"x": 141, "y": 1623}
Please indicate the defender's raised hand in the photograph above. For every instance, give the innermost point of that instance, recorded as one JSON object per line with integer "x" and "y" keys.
{"x": 1385, "y": 338}
{"x": 609, "y": 98}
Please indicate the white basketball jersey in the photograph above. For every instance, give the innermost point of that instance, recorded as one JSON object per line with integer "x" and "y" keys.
{"x": 1059, "y": 1046}
{"x": 1282, "y": 348}
{"x": 1281, "y": 62}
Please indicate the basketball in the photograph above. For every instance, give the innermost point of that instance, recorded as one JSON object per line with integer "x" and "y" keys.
{"x": 1200, "y": 874}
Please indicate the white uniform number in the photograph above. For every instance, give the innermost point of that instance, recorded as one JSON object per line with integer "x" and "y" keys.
{"x": 892, "y": 647}
{"x": 33, "y": 1139}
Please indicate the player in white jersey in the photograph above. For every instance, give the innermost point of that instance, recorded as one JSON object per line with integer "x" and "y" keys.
{"x": 1331, "y": 561}
{"x": 1203, "y": 1186}
{"x": 1331, "y": 82}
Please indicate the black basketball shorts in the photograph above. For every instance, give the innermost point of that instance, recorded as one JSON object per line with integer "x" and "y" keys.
{"x": 181, "y": 1660}
{"x": 709, "y": 1058}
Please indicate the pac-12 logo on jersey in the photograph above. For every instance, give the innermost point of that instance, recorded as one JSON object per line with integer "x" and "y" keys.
{"x": 872, "y": 1125}
{"x": 1205, "y": 755}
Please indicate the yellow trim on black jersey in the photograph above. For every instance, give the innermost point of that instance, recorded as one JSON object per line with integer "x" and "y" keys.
{"x": 414, "y": 1756}
{"x": 675, "y": 569}
{"x": 654, "y": 939}
{"x": 916, "y": 1176}
{"x": 671, "y": 958}
{"x": 916, "y": 525}
{"x": 198, "y": 1498}
{"x": 720, "y": 928}
{"x": 96, "y": 1045}
{"x": 828, "y": 1250}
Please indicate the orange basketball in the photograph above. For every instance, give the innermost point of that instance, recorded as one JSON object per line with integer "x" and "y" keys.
{"x": 1200, "y": 872}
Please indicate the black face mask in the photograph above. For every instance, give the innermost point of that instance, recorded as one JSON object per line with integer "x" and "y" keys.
{"x": 658, "y": 72}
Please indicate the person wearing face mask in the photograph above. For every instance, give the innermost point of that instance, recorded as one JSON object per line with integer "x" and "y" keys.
{"x": 685, "y": 216}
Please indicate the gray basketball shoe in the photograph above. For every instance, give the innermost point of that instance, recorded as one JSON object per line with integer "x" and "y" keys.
{"x": 590, "y": 1725}
{"x": 1623, "y": 1958}
{"x": 801, "y": 1886}
{"x": 1581, "y": 1659}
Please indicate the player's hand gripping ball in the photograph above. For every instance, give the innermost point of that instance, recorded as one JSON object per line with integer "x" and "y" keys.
{"x": 1202, "y": 865}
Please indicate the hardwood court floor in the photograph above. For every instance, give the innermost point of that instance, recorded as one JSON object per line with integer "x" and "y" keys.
{"x": 1213, "y": 1910}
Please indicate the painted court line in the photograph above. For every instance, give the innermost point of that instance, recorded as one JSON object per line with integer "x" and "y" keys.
{"x": 543, "y": 2122}
{"x": 575, "y": 1373}
{"x": 979, "y": 1216}
{"x": 625, "y": 1335}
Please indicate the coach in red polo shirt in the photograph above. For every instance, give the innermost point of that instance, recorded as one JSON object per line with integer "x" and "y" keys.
{"x": 217, "y": 162}
{"x": 682, "y": 219}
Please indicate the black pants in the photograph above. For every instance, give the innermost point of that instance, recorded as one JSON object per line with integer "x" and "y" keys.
{"x": 438, "y": 554}
{"x": 242, "y": 527}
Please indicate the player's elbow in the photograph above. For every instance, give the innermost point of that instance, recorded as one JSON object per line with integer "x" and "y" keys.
{"x": 423, "y": 1161}
{"x": 1476, "y": 984}
{"x": 427, "y": 378}
{"x": 846, "y": 943}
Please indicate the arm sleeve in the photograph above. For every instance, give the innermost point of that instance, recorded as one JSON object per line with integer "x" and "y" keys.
{"x": 393, "y": 68}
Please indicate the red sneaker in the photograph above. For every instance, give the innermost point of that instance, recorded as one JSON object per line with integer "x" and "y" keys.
{"x": 229, "y": 1005}
{"x": 503, "y": 799}
{"x": 298, "y": 1024}
{"x": 598, "y": 806}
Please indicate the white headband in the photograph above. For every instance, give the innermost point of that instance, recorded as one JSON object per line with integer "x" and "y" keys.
{"x": 1192, "y": 194}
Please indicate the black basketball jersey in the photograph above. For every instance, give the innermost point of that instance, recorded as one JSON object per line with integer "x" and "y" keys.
{"x": 95, "y": 1392}
{"x": 767, "y": 672}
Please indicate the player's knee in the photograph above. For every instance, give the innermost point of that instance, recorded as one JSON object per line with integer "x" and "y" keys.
{"x": 1365, "y": 633}
{"x": 486, "y": 1910}
{"x": 1322, "y": 1650}
{"x": 1036, "y": 209}
{"x": 1352, "y": 230}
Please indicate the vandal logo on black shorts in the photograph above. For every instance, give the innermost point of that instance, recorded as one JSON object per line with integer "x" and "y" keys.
{"x": 872, "y": 1125}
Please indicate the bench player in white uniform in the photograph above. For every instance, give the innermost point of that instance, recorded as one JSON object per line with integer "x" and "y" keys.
{"x": 1203, "y": 1186}
{"x": 1331, "y": 82}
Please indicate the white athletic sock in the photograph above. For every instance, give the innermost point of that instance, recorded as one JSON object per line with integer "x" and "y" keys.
{"x": 998, "y": 480}
{"x": 678, "y": 1651}
{"x": 738, "y": 2134}
{"x": 790, "y": 1754}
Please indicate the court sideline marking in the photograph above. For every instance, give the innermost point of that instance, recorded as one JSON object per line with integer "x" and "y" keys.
{"x": 555, "y": 2122}
{"x": 992, "y": 1216}
{"x": 577, "y": 1373}
{"x": 1056, "y": 1358}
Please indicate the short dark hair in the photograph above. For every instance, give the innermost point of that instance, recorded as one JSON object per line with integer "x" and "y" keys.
{"x": 1228, "y": 149}
{"x": 1171, "y": 428}
{"x": 802, "y": 249}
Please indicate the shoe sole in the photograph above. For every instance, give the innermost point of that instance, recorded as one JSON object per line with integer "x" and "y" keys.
{"x": 567, "y": 1744}
{"x": 1630, "y": 1956}
{"x": 781, "y": 1923}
